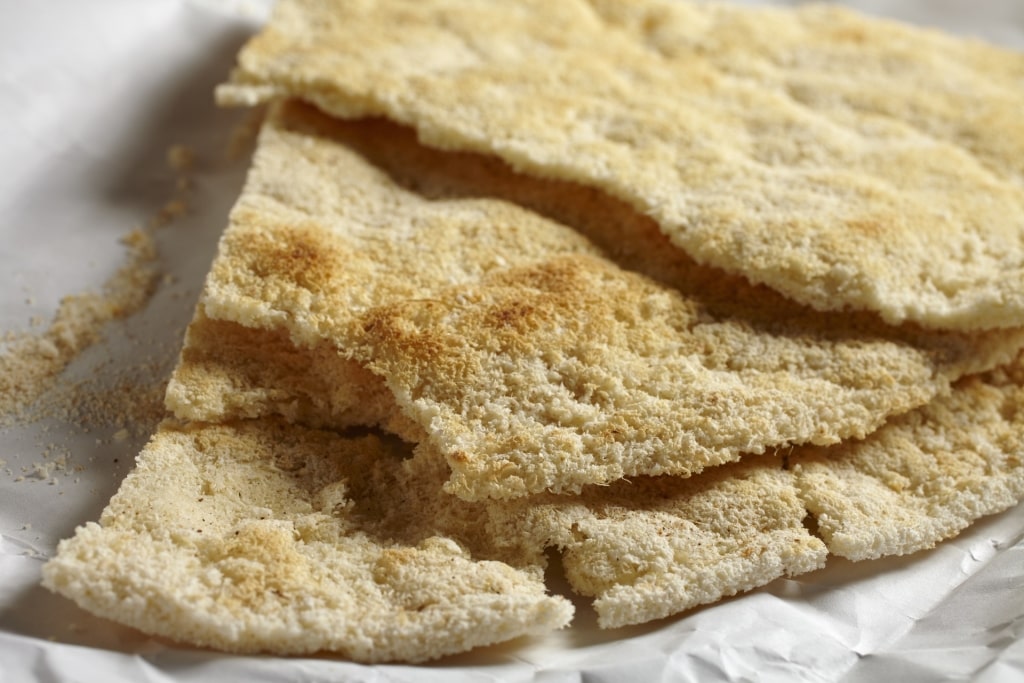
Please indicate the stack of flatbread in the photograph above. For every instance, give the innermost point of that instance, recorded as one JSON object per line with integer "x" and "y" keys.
{"x": 694, "y": 294}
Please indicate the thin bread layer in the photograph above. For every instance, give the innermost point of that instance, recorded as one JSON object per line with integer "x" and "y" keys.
{"x": 228, "y": 372}
{"x": 323, "y": 264}
{"x": 649, "y": 547}
{"x": 655, "y": 546}
{"x": 259, "y": 537}
{"x": 923, "y": 478}
{"x": 847, "y": 162}
{"x": 575, "y": 372}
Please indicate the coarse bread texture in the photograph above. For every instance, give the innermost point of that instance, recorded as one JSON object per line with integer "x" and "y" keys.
{"x": 514, "y": 342}
{"x": 320, "y": 235}
{"x": 265, "y": 537}
{"x": 926, "y": 476}
{"x": 848, "y": 162}
{"x": 227, "y": 371}
{"x": 587, "y": 329}
{"x": 574, "y": 372}
{"x": 260, "y": 536}
{"x": 655, "y": 546}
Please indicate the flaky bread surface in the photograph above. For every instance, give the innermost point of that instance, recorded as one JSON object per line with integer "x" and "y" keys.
{"x": 846, "y": 161}
{"x": 535, "y": 354}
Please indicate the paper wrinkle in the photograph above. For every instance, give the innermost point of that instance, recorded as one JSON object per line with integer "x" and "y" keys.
{"x": 27, "y": 659}
{"x": 1006, "y": 666}
{"x": 938, "y": 645}
{"x": 10, "y": 545}
{"x": 84, "y": 149}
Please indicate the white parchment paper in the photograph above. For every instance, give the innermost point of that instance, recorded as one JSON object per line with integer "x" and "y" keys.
{"x": 92, "y": 94}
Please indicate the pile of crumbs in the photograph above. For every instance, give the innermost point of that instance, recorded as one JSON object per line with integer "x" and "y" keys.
{"x": 126, "y": 400}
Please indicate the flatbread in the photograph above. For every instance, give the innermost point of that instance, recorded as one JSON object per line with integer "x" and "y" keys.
{"x": 848, "y": 162}
{"x": 652, "y": 547}
{"x": 656, "y": 546}
{"x": 511, "y": 341}
{"x": 539, "y": 337}
{"x": 220, "y": 531}
{"x": 264, "y": 537}
{"x": 925, "y": 477}
{"x": 575, "y": 372}
{"x": 319, "y": 235}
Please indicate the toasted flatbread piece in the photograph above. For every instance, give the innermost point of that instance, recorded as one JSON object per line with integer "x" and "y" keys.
{"x": 262, "y": 537}
{"x": 656, "y": 546}
{"x": 527, "y": 358}
{"x": 846, "y": 162}
{"x": 265, "y": 537}
{"x": 926, "y": 476}
{"x": 320, "y": 234}
{"x": 575, "y": 372}
{"x": 227, "y": 371}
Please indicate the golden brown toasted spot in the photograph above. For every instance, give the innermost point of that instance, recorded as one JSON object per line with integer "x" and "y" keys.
{"x": 261, "y": 559}
{"x": 809, "y": 151}
{"x": 393, "y": 325}
{"x": 517, "y": 315}
{"x": 295, "y": 253}
{"x": 873, "y": 228}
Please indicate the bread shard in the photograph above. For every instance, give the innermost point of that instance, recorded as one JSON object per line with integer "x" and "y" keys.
{"x": 847, "y": 162}
{"x": 261, "y": 536}
{"x": 926, "y": 476}
{"x": 265, "y": 537}
{"x": 654, "y": 546}
{"x": 541, "y": 348}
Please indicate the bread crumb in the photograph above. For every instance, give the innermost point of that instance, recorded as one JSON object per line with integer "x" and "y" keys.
{"x": 243, "y": 136}
{"x": 41, "y": 471}
{"x": 181, "y": 158}
{"x": 168, "y": 213}
{"x": 31, "y": 362}
{"x": 34, "y": 387}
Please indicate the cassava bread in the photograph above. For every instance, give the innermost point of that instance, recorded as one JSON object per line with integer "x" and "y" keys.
{"x": 653, "y": 546}
{"x": 261, "y": 536}
{"x": 848, "y": 162}
{"x": 762, "y": 233}
{"x": 534, "y": 354}
{"x": 264, "y": 537}
{"x": 926, "y": 476}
